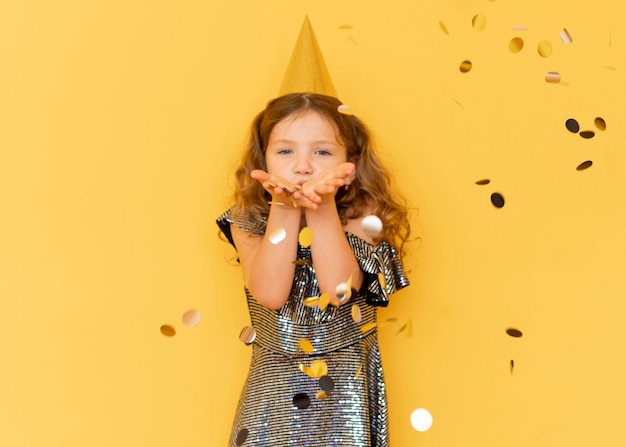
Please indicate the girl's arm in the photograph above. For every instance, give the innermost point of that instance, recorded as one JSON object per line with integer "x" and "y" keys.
{"x": 268, "y": 268}
{"x": 333, "y": 258}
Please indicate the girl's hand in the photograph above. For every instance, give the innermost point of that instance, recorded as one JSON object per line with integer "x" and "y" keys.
{"x": 323, "y": 188}
{"x": 282, "y": 191}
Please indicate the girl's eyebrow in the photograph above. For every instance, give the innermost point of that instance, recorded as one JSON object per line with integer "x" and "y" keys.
{"x": 285, "y": 141}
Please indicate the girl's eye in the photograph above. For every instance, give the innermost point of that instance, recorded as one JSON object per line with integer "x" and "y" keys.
{"x": 284, "y": 151}
{"x": 322, "y": 152}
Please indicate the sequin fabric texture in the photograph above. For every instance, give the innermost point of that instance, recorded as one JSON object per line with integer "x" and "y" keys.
{"x": 280, "y": 405}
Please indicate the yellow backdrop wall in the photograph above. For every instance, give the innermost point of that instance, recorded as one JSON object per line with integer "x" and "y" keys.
{"x": 121, "y": 122}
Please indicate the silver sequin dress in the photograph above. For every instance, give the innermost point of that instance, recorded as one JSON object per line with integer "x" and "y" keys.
{"x": 278, "y": 406}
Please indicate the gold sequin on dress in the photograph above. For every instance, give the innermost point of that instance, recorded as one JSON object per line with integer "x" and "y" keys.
{"x": 283, "y": 406}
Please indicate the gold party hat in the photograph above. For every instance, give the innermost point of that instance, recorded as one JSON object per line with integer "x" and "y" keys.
{"x": 307, "y": 71}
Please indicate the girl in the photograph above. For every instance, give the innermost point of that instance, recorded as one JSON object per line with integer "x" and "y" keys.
{"x": 316, "y": 377}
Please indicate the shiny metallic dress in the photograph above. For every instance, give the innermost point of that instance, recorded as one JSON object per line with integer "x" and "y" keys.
{"x": 287, "y": 400}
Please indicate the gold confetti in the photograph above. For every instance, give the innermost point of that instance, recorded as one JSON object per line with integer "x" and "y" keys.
{"x": 544, "y": 48}
{"x": 306, "y": 346}
{"x": 565, "y": 37}
{"x": 321, "y": 395}
{"x": 324, "y": 300}
{"x": 168, "y": 330}
{"x": 443, "y": 27}
{"x": 305, "y": 237}
{"x": 349, "y": 284}
{"x": 368, "y": 326}
{"x": 311, "y": 301}
{"x": 356, "y": 313}
{"x": 358, "y": 372}
{"x": 479, "y": 22}
{"x": 382, "y": 281}
{"x": 319, "y": 368}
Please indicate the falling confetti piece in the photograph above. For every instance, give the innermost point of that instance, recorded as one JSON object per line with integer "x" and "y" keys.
{"x": 242, "y": 436}
{"x": 301, "y": 401}
{"x": 544, "y": 48}
{"x": 358, "y": 372}
{"x": 600, "y": 123}
{"x": 342, "y": 292}
{"x": 407, "y": 327}
{"x": 324, "y": 300}
{"x": 327, "y": 384}
{"x": 465, "y": 66}
{"x": 514, "y": 332}
{"x": 345, "y": 27}
{"x": 168, "y": 330}
{"x": 301, "y": 262}
{"x": 511, "y": 366}
{"x": 458, "y": 103}
{"x": 485, "y": 181}
{"x": 572, "y": 125}
{"x": 319, "y": 368}
{"x": 584, "y": 165}
{"x": 357, "y": 316}
{"x": 497, "y": 200}
{"x": 553, "y": 77}
{"x": 305, "y": 238}
{"x": 277, "y": 236}
{"x": 443, "y": 28}
{"x": 372, "y": 226}
{"x": 191, "y": 318}
{"x": 587, "y": 134}
{"x": 344, "y": 109}
{"x": 565, "y": 37}
{"x": 247, "y": 335}
{"x": 382, "y": 280}
{"x": 421, "y": 419}
{"x": 519, "y": 28}
{"x": 306, "y": 346}
{"x": 479, "y": 22}
{"x": 516, "y": 44}
{"x": 311, "y": 301}
{"x": 321, "y": 395}
{"x": 368, "y": 327}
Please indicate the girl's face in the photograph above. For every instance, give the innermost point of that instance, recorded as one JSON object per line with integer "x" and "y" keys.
{"x": 301, "y": 146}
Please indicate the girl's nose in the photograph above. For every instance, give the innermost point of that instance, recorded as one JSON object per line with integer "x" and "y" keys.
{"x": 303, "y": 166}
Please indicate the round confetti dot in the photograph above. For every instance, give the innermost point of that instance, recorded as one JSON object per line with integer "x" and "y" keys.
{"x": 484, "y": 181}
{"x": 497, "y": 200}
{"x": 247, "y": 335}
{"x": 572, "y": 125}
{"x": 327, "y": 384}
{"x": 191, "y": 318}
{"x": 565, "y": 37}
{"x": 479, "y": 22}
{"x": 516, "y": 44}
{"x": 421, "y": 419}
{"x": 277, "y": 236}
{"x": 584, "y": 165}
{"x": 305, "y": 345}
{"x": 443, "y": 27}
{"x": 600, "y": 123}
{"x": 168, "y": 330}
{"x": 587, "y": 134}
{"x": 242, "y": 436}
{"x": 544, "y": 48}
{"x": 344, "y": 109}
{"x": 301, "y": 401}
{"x": 372, "y": 226}
{"x": 305, "y": 237}
{"x": 514, "y": 332}
{"x": 553, "y": 77}
{"x": 465, "y": 66}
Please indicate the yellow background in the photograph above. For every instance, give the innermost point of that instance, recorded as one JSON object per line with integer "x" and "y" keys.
{"x": 120, "y": 125}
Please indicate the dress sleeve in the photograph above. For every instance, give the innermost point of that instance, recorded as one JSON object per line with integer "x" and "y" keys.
{"x": 242, "y": 220}
{"x": 384, "y": 272}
